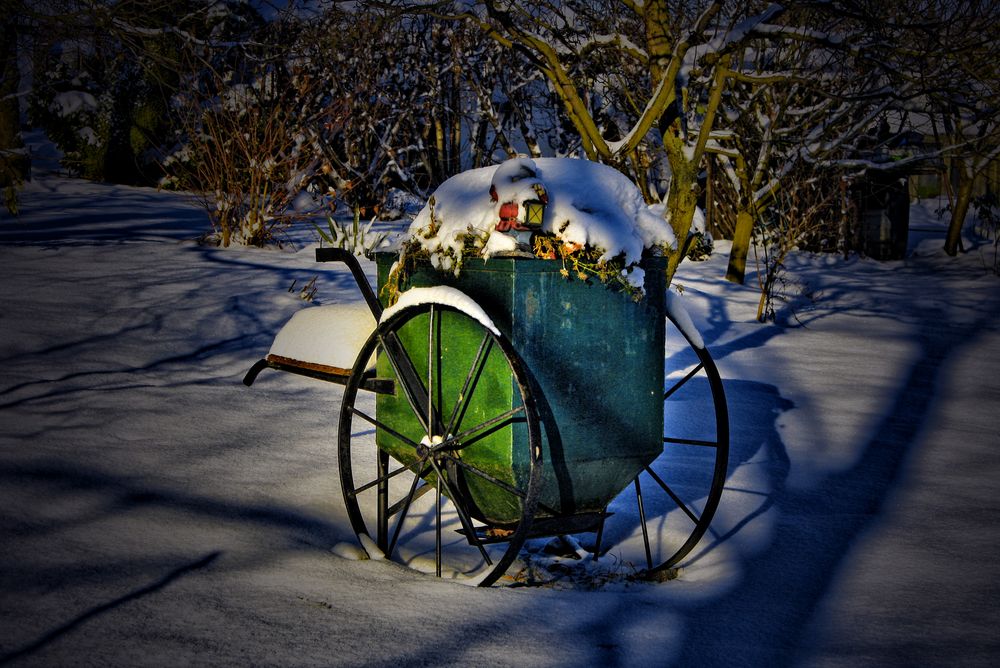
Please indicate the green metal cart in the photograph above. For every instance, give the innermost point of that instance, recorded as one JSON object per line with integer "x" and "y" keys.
{"x": 510, "y": 403}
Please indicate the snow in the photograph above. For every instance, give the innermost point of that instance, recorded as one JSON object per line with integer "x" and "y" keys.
{"x": 588, "y": 203}
{"x": 71, "y": 101}
{"x": 157, "y": 512}
{"x": 445, "y": 296}
{"x": 682, "y": 319}
{"x": 332, "y": 335}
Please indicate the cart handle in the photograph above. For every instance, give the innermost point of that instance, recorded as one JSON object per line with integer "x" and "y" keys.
{"x": 348, "y": 258}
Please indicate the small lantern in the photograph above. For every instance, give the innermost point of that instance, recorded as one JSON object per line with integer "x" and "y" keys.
{"x": 534, "y": 212}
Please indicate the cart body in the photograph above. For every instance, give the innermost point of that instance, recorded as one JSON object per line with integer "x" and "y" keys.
{"x": 596, "y": 356}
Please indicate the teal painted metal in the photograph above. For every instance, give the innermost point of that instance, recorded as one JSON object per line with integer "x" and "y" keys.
{"x": 597, "y": 357}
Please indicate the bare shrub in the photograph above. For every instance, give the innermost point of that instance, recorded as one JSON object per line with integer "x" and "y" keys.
{"x": 800, "y": 213}
{"x": 241, "y": 151}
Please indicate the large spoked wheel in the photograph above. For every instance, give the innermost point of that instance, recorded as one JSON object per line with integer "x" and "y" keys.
{"x": 444, "y": 476}
{"x": 677, "y": 495}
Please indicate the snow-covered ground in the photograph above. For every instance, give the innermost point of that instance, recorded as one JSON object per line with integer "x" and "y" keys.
{"x": 154, "y": 511}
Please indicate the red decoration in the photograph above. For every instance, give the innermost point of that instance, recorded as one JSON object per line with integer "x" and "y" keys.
{"x": 508, "y": 218}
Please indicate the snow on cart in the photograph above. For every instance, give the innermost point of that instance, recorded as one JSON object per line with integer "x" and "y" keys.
{"x": 515, "y": 347}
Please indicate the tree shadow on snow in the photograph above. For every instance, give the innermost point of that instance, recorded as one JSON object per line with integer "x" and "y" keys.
{"x": 753, "y": 407}
{"x": 764, "y": 618}
{"x": 96, "y": 497}
{"x": 53, "y": 635}
{"x": 71, "y": 212}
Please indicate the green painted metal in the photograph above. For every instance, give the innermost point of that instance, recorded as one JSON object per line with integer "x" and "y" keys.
{"x": 596, "y": 355}
{"x": 456, "y": 341}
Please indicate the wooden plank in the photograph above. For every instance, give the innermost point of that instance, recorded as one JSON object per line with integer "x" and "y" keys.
{"x": 309, "y": 366}
{"x": 332, "y": 374}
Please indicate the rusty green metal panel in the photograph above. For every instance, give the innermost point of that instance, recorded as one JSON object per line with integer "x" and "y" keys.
{"x": 458, "y": 340}
{"x": 597, "y": 357}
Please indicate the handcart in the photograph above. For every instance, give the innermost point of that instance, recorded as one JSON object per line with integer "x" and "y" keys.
{"x": 509, "y": 404}
{"x": 511, "y": 400}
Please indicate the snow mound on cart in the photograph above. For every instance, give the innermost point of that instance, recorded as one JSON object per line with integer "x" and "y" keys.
{"x": 331, "y": 335}
{"x": 589, "y": 204}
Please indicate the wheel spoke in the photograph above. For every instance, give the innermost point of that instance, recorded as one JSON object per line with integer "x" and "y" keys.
{"x": 691, "y": 374}
{"x": 421, "y": 490}
{"x": 463, "y": 438}
{"x": 384, "y": 427}
{"x": 437, "y": 527}
{"x": 430, "y": 368}
{"x": 387, "y": 477}
{"x": 407, "y": 500}
{"x": 403, "y": 368}
{"x": 670, "y": 492}
{"x": 381, "y": 499}
{"x": 642, "y": 522}
{"x": 487, "y": 477}
{"x": 463, "y": 517}
{"x": 471, "y": 379}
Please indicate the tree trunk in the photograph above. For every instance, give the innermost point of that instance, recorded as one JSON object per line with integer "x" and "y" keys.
{"x": 13, "y": 161}
{"x": 953, "y": 242}
{"x": 710, "y": 196}
{"x": 736, "y": 271}
{"x": 681, "y": 203}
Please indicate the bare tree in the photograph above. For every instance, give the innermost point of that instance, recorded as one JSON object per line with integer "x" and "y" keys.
{"x": 907, "y": 66}
{"x": 802, "y": 106}
{"x": 652, "y": 87}
{"x": 407, "y": 102}
{"x": 651, "y": 83}
{"x": 13, "y": 160}
{"x": 962, "y": 73}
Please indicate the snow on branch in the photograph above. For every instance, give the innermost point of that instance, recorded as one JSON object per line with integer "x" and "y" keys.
{"x": 174, "y": 30}
{"x": 624, "y": 145}
{"x": 797, "y": 33}
{"x": 617, "y": 40}
{"x": 725, "y": 40}
{"x": 785, "y": 76}
{"x": 713, "y": 146}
